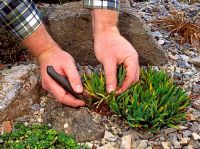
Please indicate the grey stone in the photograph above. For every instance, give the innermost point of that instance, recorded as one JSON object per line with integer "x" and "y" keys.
{"x": 180, "y": 136}
{"x": 184, "y": 57}
{"x": 196, "y": 115}
{"x": 187, "y": 133}
{"x": 172, "y": 136}
{"x": 177, "y": 74}
{"x": 162, "y": 139}
{"x": 109, "y": 136}
{"x": 142, "y": 144}
{"x": 196, "y": 144}
{"x": 196, "y": 104}
{"x": 97, "y": 118}
{"x": 79, "y": 120}
{"x": 183, "y": 64}
{"x": 196, "y": 88}
{"x": 169, "y": 130}
{"x": 195, "y": 127}
{"x": 152, "y": 143}
{"x": 70, "y": 26}
{"x": 157, "y": 34}
{"x": 19, "y": 90}
{"x": 22, "y": 119}
{"x": 195, "y": 61}
{"x": 35, "y": 107}
{"x": 176, "y": 144}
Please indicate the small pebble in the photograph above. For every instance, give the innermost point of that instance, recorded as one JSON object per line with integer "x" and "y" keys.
{"x": 195, "y": 136}
{"x": 66, "y": 125}
{"x": 184, "y": 141}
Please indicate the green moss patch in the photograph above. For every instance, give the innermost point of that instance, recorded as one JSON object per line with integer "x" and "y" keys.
{"x": 38, "y": 136}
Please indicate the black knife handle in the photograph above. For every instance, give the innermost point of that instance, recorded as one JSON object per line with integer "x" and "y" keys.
{"x": 62, "y": 81}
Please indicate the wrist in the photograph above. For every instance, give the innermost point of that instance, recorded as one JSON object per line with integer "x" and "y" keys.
{"x": 47, "y": 53}
{"x": 105, "y": 34}
{"x": 39, "y": 42}
{"x": 104, "y": 21}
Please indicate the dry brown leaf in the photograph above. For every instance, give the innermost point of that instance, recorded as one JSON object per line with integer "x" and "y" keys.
{"x": 178, "y": 23}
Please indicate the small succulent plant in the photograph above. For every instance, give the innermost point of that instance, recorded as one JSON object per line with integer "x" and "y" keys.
{"x": 37, "y": 136}
{"x": 155, "y": 101}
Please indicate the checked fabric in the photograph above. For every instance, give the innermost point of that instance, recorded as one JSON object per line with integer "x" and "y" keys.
{"x": 22, "y": 17}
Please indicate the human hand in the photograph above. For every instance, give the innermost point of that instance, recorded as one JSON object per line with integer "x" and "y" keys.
{"x": 111, "y": 49}
{"x": 64, "y": 64}
{"x": 49, "y": 54}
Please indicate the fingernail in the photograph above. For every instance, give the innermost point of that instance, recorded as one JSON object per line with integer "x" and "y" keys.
{"x": 79, "y": 88}
{"x": 110, "y": 89}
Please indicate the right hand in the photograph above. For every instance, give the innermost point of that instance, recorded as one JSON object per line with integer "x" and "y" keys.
{"x": 64, "y": 64}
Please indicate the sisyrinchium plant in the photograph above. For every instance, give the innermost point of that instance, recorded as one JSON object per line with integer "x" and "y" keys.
{"x": 38, "y": 137}
{"x": 155, "y": 101}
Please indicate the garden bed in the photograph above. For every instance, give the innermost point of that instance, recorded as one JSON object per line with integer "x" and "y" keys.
{"x": 116, "y": 131}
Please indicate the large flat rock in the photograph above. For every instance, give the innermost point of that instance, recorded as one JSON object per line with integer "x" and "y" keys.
{"x": 19, "y": 89}
{"x": 75, "y": 121}
{"x": 70, "y": 26}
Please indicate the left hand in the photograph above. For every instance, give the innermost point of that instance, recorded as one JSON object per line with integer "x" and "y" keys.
{"x": 112, "y": 49}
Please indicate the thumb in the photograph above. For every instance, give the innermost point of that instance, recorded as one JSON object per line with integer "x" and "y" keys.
{"x": 73, "y": 76}
{"x": 110, "y": 69}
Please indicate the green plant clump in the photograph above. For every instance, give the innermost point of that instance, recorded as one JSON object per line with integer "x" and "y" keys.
{"x": 37, "y": 137}
{"x": 155, "y": 101}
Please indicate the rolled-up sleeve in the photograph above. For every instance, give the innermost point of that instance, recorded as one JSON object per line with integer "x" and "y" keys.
{"x": 21, "y": 17}
{"x": 102, "y": 4}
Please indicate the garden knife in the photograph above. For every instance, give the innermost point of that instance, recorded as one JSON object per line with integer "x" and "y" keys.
{"x": 64, "y": 83}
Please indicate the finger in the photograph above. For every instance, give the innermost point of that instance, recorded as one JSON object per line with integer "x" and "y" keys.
{"x": 73, "y": 77}
{"x": 61, "y": 95}
{"x": 131, "y": 74}
{"x": 110, "y": 69}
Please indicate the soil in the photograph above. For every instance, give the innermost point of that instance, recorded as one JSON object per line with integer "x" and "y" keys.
{"x": 103, "y": 109}
{"x": 14, "y": 51}
{"x": 11, "y": 50}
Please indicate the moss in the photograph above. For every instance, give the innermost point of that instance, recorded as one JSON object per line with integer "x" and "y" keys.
{"x": 38, "y": 136}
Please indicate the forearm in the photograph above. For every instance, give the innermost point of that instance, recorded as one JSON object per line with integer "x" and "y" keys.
{"x": 39, "y": 42}
{"x": 104, "y": 21}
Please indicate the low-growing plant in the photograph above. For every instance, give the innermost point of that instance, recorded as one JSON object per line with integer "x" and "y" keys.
{"x": 38, "y": 137}
{"x": 155, "y": 101}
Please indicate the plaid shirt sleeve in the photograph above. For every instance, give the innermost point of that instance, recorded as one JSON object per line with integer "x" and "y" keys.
{"x": 19, "y": 16}
{"x": 102, "y": 4}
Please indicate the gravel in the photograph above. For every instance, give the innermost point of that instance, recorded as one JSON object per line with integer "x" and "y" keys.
{"x": 182, "y": 66}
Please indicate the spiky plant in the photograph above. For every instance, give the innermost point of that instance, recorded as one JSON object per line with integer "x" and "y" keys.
{"x": 155, "y": 101}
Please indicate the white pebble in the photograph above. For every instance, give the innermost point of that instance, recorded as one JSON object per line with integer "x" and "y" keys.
{"x": 195, "y": 136}
{"x": 66, "y": 125}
